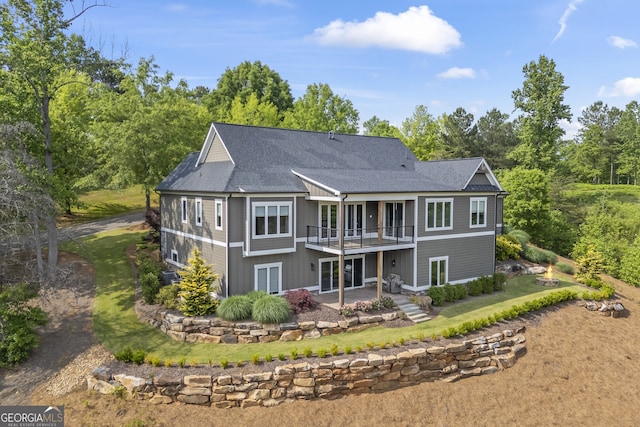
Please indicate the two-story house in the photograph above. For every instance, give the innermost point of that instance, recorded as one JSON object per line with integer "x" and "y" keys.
{"x": 279, "y": 209}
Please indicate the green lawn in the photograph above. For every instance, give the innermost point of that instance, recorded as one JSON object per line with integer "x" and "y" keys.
{"x": 117, "y": 326}
{"x": 102, "y": 204}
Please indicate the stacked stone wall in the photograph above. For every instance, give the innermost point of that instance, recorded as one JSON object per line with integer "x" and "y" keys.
{"x": 324, "y": 379}
{"x": 216, "y": 331}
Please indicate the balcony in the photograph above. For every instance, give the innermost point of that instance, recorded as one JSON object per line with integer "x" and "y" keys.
{"x": 360, "y": 239}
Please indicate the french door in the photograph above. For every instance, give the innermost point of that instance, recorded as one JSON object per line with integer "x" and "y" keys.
{"x": 353, "y": 274}
{"x": 353, "y": 220}
{"x": 394, "y": 219}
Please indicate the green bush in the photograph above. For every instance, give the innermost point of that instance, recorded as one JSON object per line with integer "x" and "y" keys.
{"x": 487, "y": 284}
{"x": 475, "y": 287}
{"x": 521, "y": 236}
{"x": 138, "y": 356}
{"x": 150, "y": 286}
{"x": 18, "y": 322}
{"x": 168, "y": 296}
{"x": 449, "y": 292}
{"x": 126, "y": 355}
{"x": 256, "y": 295}
{"x": 564, "y": 267}
{"x": 270, "y": 309}
{"x": 499, "y": 282}
{"x": 234, "y": 308}
{"x": 507, "y": 246}
{"x": 437, "y": 294}
{"x": 461, "y": 291}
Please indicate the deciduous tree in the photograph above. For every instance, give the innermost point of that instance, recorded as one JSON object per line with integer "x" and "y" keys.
{"x": 321, "y": 110}
{"x": 541, "y": 102}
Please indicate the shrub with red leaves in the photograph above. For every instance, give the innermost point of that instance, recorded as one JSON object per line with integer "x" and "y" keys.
{"x": 300, "y": 300}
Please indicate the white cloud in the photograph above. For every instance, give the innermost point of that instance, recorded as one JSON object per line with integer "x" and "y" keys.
{"x": 620, "y": 42}
{"x": 417, "y": 29}
{"x": 571, "y": 129}
{"x": 627, "y": 87}
{"x": 571, "y": 7}
{"x": 458, "y": 73}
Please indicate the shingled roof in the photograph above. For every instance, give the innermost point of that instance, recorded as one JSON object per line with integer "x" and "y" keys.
{"x": 275, "y": 160}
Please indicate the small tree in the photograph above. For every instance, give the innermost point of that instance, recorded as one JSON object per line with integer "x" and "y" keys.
{"x": 197, "y": 282}
{"x": 589, "y": 266}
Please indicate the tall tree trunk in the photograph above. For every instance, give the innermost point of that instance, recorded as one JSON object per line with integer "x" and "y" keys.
{"x": 147, "y": 198}
{"x": 37, "y": 243}
{"x": 52, "y": 231}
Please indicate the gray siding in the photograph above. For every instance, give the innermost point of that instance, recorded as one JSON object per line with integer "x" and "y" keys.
{"x": 217, "y": 152}
{"x": 297, "y": 271}
{"x": 461, "y": 215}
{"x": 213, "y": 254}
{"x": 315, "y": 191}
{"x": 171, "y": 216}
{"x": 272, "y": 243}
{"x": 480, "y": 178}
{"x": 469, "y": 257}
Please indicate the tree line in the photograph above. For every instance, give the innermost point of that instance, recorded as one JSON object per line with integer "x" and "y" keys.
{"x": 73, "y": 120}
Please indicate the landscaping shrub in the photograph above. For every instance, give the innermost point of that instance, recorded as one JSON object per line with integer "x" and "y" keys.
{"x": 387, "y": 302}
{"x": 521, "y": 236}
{"x": 18, "y": 322}
{"x": 589, "y": 266}
{"x": 300, "y": 300}
{"x": 475, "y": 287}
{"x": 539, "y": 256}
{"x": 449, "y": 292}
{"x": 499, "y": 282}
{"x": 271, "y": 309}
{"x": 149, "y": 273}
{"x": 507, "y": 246}
{"x": 487, "y": 284}
{"x": 195, "y": 287}
{"x": 461, "y": 291}
{"x": 168, "y": 296}
{"x": 126, "y": 355}
{"x": 437, "y": 294}
{"x": 256, "y": 295}
{"x": 234, "y": 308}
{"x": 564, "y": 267}
{"x": 150, "y": 286}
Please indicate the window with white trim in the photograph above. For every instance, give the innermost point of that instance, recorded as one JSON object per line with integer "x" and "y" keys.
{"x": 271, "y": 219}
{"x": 439, "y": 214}
{"x": 174, "y": 255}
{"x": 268, "y": 277}
{"x": 218, "y": 208}
{"x": 198, "y": 211}
{"x": 478, "y": 214}
{"x": 183, "y": 204}
{"x": 438, "y": 271}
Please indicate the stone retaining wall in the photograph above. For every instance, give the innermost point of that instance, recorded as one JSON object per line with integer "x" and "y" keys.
{"x": 324, "y": 379}
{"x": 215, "y": 330}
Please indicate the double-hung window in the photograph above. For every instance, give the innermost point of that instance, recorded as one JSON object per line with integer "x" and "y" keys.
{"x": 183, "y": 204}
{"x": 218, "y": 208}
{"x": 478, "y": 214}
{"x": 439, "y": 214}
{"x": 272, "y": 219}
{"x": 198, "y": 211}
{"x": 268, "y": 277}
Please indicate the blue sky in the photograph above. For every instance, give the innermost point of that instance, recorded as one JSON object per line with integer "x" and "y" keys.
{"x": 387, "y": 57}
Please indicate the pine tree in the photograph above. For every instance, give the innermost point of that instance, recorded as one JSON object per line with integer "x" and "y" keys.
{"x": 197, "y": 282}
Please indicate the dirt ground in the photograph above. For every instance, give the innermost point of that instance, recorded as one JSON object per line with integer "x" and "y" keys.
{"x": 580, "y": 368}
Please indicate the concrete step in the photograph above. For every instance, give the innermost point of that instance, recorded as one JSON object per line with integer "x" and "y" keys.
{"x": 413, "y": 312}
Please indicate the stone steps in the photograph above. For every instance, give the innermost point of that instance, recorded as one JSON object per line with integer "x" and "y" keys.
{"x": 412, "y": 311}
